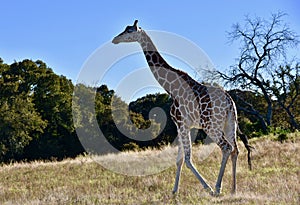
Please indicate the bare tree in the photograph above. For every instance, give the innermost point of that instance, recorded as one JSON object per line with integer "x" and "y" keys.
{"x": 263, "y": 47}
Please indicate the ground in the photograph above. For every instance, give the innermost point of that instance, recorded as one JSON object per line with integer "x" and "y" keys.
{"x": 273, "y": 180}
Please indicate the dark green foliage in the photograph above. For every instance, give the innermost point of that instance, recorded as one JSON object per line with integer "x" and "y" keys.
{"x": 282, "y": 137}
{"x": 249, "y": 104}
{"x": 20, "y": 122}
{"x": 122, "y": 125}
{"x": 130, "y": 146}
{"x": 144, "y": 105}
{"x": 36, "y": 113}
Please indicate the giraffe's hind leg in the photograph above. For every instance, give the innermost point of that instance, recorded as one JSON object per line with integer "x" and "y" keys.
{"x": 226, "y": 151}
{"x": 234, "y": 156}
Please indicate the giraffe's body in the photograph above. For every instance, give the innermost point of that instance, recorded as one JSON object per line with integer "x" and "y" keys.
{"x": 194, "y": 106}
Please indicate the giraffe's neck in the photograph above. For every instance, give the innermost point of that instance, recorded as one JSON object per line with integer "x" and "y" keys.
{"x": 162, "y": 71}
{"x": 153, "y": 57}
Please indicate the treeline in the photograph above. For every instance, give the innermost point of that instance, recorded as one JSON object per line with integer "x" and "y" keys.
{"x": 36, "y": 115}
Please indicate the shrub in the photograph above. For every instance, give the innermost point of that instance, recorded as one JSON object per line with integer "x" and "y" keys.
{"x": 131, "y": 146}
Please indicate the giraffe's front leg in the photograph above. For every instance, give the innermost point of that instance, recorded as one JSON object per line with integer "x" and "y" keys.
{"x": 187, "y": 146}
{"x": 179, "y": 164}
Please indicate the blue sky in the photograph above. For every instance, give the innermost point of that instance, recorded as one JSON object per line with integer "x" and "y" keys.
{"x": 64, "y": 33}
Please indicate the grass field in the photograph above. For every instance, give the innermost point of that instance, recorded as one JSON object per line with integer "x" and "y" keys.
{"x": 273, "y": 180}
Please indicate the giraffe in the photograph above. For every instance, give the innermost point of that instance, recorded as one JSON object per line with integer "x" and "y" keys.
{"x": 195, "y": 105}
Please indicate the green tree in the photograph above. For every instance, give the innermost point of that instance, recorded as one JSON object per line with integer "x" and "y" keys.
{"x": 20, "y": 122}
{"x": 52, "y": 96}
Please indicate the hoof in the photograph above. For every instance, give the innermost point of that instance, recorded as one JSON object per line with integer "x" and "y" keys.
{"x": 216, "y": 194}
{"x": 209, "y": 190}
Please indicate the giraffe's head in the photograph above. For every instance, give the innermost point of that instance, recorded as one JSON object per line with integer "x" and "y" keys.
{"x": 130, "y": 34}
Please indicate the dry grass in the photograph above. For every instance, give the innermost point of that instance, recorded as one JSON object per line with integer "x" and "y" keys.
{"x": 273, "y": 180}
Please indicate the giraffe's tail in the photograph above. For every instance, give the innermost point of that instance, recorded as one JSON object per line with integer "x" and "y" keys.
{"x": 244, "y": 139}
